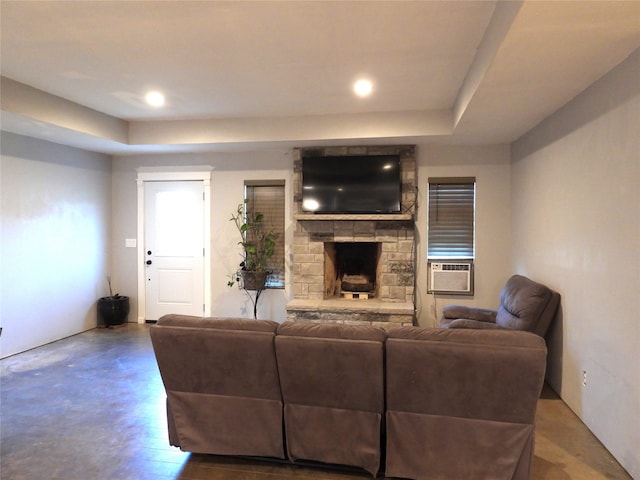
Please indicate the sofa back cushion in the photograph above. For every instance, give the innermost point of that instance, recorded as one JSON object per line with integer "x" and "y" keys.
{"x": 482, "y": 374}
{"x": 331, "y": 365}
{"x": 332, "y": 330}
{"x": 332, "y": 379}
{"x": 232, "y": 357}
{"x": 223, "y": 389}
{"x": 461, "y": 403}
{"x": 219, "y": 323}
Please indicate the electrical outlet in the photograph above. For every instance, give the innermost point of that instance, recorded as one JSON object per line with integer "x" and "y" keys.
{"x": 584, "y": 378}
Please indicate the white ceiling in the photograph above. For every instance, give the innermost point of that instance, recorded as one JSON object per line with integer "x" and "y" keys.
{"x": 240, "y": 74}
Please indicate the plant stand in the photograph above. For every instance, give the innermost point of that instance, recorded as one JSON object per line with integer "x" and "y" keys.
{"x": 254, "y": 281}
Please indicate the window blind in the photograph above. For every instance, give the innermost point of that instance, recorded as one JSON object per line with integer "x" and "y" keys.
{"x": 451, "y": 218}
{"x": 268, "y": 198}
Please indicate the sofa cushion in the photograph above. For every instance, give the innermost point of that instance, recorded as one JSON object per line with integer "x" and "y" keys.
{"x": 333, "y": 366}
{"x": 482, "y": 374}
{"x": 332, "y": 330}
{"x": 478, "y": 337}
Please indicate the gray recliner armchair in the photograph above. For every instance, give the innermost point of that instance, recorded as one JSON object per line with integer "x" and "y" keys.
{"x": 524, "y": 305}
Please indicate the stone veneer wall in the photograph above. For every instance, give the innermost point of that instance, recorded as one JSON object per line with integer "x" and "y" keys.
{"x": 396, "y": 277}
{"x": 352, "y": 312}
{"x": 394, "y": 232}
{"x": 407, "y": 169}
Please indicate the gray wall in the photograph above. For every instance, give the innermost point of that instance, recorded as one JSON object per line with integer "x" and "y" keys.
{"x": 56, "y": 215}
{"x": 490, "y": 165}
{"x": 230, "y": 170}
{"x": 575, "y": 209}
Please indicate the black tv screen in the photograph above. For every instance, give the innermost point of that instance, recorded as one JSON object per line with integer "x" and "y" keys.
{"x": 351, "y": 184}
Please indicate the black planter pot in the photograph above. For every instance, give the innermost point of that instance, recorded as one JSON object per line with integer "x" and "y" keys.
{"x": 253, "y": 280}
{"x": 113, "y": 310}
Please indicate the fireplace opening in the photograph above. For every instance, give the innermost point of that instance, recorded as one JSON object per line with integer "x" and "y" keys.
{"x": 351, "y": 269}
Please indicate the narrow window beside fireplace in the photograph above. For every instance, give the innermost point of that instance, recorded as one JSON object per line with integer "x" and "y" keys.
{"x": 267, "y": 197}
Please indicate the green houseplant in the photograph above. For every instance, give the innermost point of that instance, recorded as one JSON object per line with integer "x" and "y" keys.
{"x": 258, "y": 243}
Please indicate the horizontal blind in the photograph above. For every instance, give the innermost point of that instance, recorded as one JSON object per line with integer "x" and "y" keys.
{"x": 268, "y": 199}
{"x": 451, "y": 218}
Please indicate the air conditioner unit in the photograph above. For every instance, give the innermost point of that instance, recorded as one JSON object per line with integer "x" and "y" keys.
{"x": 453, "y": 278}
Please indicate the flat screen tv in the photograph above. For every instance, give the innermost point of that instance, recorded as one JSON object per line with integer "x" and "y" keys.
{"x": 351, "y": 184}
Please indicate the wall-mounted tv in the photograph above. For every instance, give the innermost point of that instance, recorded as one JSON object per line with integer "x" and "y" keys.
{"x": 351, "y": 184}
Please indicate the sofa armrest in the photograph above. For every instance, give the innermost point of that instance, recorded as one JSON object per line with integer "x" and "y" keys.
{"x": 475, "y": 324}
{"x": 470, "y": 313}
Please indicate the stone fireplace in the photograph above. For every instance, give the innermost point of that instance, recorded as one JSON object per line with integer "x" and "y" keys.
{"x": 353, "y": 268}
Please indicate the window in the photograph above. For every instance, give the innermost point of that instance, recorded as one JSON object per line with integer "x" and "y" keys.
{"x": 451, "y": 218}
{"x": 267, "y": 197}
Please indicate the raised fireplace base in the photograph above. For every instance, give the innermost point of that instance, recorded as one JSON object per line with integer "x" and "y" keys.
{"x": 352, "y": 312}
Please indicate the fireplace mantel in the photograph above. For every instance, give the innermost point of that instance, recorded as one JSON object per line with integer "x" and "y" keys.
{"x": 355, "y": 217}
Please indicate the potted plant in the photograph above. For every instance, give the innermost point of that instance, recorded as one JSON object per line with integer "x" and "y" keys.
{"x": 114, "y": 309}
{"x": 258, "y": 243}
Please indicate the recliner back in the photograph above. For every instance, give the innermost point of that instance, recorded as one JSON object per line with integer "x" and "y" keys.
{"x": 220, "y": 375}
{"x": 332, "y": 379}
{"x": 461, "y": 402}
{"x": 526, "y": 305}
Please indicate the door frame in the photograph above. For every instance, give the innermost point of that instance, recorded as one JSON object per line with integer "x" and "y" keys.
{"x": 202, "y": 174}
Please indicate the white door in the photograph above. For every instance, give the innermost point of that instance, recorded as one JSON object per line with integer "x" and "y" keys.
{"x": 174, "y": 248}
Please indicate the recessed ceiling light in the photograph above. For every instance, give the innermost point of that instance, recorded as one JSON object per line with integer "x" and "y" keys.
{"x": 363, "y": 87}
{"x": 155, "y": 99}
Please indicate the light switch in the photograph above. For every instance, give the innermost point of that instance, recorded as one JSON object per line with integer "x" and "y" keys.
{"x": 130, "y": 242}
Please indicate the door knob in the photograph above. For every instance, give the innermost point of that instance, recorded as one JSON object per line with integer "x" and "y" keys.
{"x": 149, "y": 262}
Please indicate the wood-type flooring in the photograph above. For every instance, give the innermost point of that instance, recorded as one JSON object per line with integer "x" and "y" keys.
{"x": 92, "y": 407}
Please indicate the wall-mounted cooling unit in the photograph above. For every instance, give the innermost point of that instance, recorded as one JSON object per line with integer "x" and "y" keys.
{"x": 451, "y": 277}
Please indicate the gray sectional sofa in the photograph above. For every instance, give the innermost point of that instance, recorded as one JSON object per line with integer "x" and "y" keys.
{"x": 409, "y": 403}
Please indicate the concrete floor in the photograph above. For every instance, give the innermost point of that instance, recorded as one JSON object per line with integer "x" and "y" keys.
{"x": 91, "y": 407}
